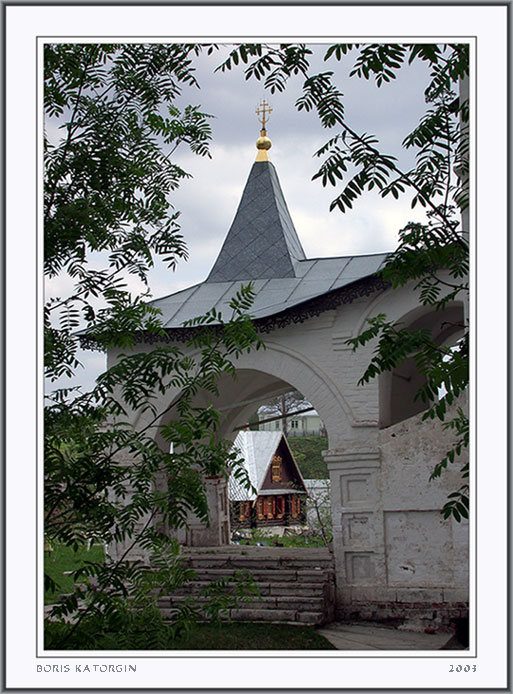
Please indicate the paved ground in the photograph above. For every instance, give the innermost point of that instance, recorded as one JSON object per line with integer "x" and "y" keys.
{"x": 370, "y": 637}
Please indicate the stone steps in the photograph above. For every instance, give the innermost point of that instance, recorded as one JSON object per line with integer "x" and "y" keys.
{"x": 298, "y": 576}
{"x": 262, "y": 557}
{"x": 302, "y": 590}
{"x": 294, "y": 585}
{"x": 267, "y": 602}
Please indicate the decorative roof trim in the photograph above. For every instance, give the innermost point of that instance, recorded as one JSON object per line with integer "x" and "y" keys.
{"x": 298, "y": 313}
{"x": 325, "y": 302}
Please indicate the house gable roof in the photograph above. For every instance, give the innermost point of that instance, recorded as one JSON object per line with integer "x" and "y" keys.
{"x": 257, "y": 449}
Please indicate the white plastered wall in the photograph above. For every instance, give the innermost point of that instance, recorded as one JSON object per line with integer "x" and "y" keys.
{"x": 386, "y": 513}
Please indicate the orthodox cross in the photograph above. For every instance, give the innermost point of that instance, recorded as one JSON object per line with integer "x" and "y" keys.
{"x": 262, "y": 111}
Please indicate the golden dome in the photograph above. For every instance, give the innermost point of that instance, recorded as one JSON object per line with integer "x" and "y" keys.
{"x": 264, "y": 142}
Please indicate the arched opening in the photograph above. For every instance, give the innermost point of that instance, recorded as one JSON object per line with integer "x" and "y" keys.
{"x": 238, "y": 400}
{"x": 398, "y": 388}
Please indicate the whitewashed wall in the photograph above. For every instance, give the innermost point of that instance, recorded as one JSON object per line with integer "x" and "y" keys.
{"x": 390, "y": 540}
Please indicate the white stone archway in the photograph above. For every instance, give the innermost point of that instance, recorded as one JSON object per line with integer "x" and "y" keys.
{"x": 384, "y": 508}
{"x": 259, "y": 376}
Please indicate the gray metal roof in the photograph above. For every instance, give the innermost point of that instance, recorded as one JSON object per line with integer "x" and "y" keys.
{"x": 262, "y": 246}
{"x": 317, "y": 277}
{"x": 262, "y": 242}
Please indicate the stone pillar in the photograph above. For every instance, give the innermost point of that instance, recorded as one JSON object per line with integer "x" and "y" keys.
{"x": 128, "y": 549}
{"x": 217, "y": 533}
{"x": 357, "y": 514}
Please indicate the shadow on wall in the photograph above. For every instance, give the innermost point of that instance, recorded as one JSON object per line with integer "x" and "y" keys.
{"x": 398, "y": 388}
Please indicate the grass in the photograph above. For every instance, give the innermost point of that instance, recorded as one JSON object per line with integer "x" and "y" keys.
{"x": 292, "y": 539}
{"x": 64, "y": 559}
{"x": 235, "y": 636}
{"x": 250, "y": 636}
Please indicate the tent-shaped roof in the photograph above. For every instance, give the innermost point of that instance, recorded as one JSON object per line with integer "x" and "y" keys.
{"x": 257, "y": 449}
{"x": 262, "y": 242}
{"x": 262, "y": 246}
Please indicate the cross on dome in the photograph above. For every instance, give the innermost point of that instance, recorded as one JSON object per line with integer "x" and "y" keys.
{"x": 263, "y": 110}
{"x": 263, "y": 143}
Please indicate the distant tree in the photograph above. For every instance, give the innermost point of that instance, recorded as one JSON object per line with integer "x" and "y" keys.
{"x": 285, "y": 405}
{"x": 354, "y": 164}
{"x": 318, "y": 512}
{"x": 307, "y": 452}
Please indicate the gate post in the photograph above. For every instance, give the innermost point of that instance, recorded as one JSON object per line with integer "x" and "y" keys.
{"x": 357, "y": 514}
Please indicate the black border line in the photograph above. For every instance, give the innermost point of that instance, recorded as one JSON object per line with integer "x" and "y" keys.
{"x": 284, "y": 2}
{"x": 270, "y": 3}
{"x": 3, "y": 341}
{"x": 39, "y": 428}
{"x": 271, "y": 653}
{"x": 509, "y": 285}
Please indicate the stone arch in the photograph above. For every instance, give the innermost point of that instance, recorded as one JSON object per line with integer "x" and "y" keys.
{"x": 263, "y": 374}
{"x": 294, "y": 370}
{"x": 259, "y": 376}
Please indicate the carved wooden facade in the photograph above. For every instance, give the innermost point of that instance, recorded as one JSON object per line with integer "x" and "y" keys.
{"x": 280, "y": 491}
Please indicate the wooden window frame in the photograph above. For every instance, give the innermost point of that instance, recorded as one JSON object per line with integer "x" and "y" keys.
{"x": 244, "y": 510}
{"x": 276, "y": 468}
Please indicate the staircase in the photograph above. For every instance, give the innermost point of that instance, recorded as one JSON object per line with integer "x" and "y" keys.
{"x": 296, "y": 585}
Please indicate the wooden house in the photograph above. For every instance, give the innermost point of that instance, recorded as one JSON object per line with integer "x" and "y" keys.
{"x": 279, "y": 494}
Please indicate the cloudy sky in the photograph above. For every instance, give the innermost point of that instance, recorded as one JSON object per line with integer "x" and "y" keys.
{"x": 209, "y": 200}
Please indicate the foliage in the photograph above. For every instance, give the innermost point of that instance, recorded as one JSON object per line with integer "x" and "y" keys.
{"x": 91, "y": 492}
{"x": 307, "y": 451}
{"x": 108, "y": 216}
{"x": 457, "y": 504}
{"x": 108, "y": 176}
{"x": 432, "y": 257}
{"x": 131, "y": 618}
